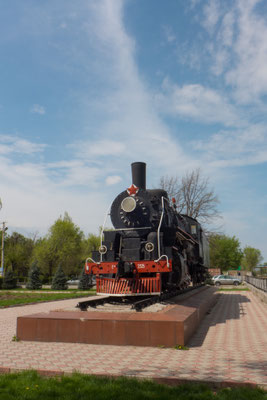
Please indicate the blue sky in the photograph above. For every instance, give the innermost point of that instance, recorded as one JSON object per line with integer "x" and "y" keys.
{"x": 88, "y": 87}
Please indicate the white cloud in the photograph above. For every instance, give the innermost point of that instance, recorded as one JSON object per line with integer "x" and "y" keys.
{"x": 128, "y": 130}
{"x": 212, "y": 13}
{"x": 103, "y": 147}
{"x": 198, "y": 102}
{"x": 235, "y": 148}
{"x": 131, "y": 126}
{"x": 120, "y": 122}
{"x": 248, "y": 75}
{"x": 32, "y": 200}
{"x": 113, "y": 179}
{"x": 168, "y": 33}
{"x": 13, "y": 144}
{"x": 37, "y": 109}
{"x": 238, "y": 47}
{"x": 227, "y": 29}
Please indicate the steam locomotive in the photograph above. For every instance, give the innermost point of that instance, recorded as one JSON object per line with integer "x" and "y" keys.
{"x": 152, "y": 248}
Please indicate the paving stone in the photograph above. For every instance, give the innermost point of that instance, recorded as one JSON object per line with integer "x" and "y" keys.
{"x": 229, "y": 346}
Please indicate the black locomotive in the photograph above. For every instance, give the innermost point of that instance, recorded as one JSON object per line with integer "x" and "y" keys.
{"x": 152, "y": 249}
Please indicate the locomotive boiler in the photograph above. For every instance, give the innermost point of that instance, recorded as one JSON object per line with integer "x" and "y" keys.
{"x": 152, "y": 248}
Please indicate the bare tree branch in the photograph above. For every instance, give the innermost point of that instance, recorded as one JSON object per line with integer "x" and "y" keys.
{"x": 193, "y": 195}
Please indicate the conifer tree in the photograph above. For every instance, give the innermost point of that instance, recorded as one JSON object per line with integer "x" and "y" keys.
{"x": 10, "y": 281}
{"x": 59, "y": 281}
{"x": 85, "y": 281}
{"x": 34, "y": 281}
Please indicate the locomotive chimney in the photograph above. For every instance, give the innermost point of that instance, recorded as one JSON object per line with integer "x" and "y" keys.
{"x": 139, "y": 174}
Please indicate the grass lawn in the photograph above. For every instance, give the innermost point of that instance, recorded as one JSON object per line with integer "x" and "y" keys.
{"x": 13, "y": 297}
{"x": 30, "y": 386}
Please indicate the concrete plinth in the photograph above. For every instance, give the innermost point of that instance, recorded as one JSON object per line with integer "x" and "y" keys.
{"x": 173, "y": 325}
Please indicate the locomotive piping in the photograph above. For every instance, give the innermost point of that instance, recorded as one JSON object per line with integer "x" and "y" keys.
{"x": 160, "y": 222}
{"x": 89, "y": 258}
{"x": 139, "y": 174}
{"x": 102, "y": 231}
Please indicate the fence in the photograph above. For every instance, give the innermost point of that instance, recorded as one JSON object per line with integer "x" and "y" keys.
{"x": 259, "y": 283}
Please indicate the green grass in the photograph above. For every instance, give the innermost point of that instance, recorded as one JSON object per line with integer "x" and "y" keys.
{"x": 20, "y": 289}
{"x": 30, "y": 386}
{"x": 12, "y": 298}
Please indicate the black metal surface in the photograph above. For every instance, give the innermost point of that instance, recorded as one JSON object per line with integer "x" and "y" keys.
{"x": 83, "y": 305}
{"x": 138, "y": 225}
{"x": 139, "y": 174}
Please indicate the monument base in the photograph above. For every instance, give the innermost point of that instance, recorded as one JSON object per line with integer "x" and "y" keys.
{"x": 174, "y": 325}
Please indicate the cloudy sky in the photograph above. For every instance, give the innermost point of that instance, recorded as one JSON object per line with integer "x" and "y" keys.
{"x": 89, "y": 86}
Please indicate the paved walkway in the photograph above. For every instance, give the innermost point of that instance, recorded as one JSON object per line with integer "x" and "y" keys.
{"x": 229, "y": 346}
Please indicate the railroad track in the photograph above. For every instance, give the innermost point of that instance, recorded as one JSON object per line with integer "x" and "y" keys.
{"x": 137, "y": 303}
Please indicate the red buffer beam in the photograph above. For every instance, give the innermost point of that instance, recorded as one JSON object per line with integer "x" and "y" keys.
{"x": 140, "y": 267}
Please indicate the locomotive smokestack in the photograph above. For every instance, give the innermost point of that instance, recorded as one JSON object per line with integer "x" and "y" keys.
{"x": 139, "y": 174}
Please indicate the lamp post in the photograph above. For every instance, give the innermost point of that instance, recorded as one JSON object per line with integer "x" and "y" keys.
{"x": 4, "y": 228}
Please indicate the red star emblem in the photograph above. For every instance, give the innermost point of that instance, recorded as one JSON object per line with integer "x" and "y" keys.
{"x": 132, "y": 190}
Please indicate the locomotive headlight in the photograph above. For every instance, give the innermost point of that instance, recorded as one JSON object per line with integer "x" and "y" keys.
{"x": 128, "y": 204}
{"x": 103, "y": 249}
{"x": 149, "y": 247}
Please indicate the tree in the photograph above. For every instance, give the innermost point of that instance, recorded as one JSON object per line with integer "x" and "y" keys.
{"x": 62, "y": 245}
{"x": 18, "y": 253}
{"x": 43, "y": 256}
{"x": 85, "y": 281}
{"x": 193, "y": 195}
{"x": 225, "y": 252}
{"x": 10, "y": 281}
{"x": 34, "y": 281}
{"x": 91, "y": 243}
{"x": 251, "y": 258}
{"x": 59, "y": 280}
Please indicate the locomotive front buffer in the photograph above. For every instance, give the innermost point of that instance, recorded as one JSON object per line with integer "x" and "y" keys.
{"x": 137, "y": 285}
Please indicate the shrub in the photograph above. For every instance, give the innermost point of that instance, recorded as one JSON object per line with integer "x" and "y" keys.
{"x": 10, "y": 281}
{"x": 34, "y": 281}
{"x": 59, "y": 281}
{"x": 46, "y": 280}
{"x": 85, "y": 281}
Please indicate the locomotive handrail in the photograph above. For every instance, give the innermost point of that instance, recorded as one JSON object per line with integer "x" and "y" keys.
{"x": 160, "y": 222}
{"x": 102, "y": 230}
{"x": 165, "y": 256}
{"x": 132, "y": 229}
{"x": 89, "y": 258}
